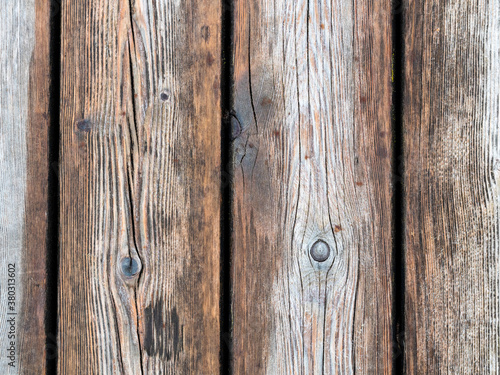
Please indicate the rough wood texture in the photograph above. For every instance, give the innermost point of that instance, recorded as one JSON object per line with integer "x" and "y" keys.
{"x": 452, "y": 191}
{"x": 312, "y": 159}
{"x": 139, "y": 175}
{"x": 24, "y": 129}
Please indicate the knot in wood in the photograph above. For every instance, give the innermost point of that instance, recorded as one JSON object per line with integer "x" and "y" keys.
{"x": 164, "y": 96}
{"x": 320, "y": 251}
{"x": 130, "y": 267}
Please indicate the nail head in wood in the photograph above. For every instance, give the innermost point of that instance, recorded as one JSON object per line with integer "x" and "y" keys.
{"x": 130, "y": 267}
{"x": 320, "y": 251}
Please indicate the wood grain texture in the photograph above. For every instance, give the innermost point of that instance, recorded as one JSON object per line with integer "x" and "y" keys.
{"x": 312, "y": 161}
{"x": 24, "y": 129}
{"x": 452, "y": 160}
{"x": 139, "y": 185}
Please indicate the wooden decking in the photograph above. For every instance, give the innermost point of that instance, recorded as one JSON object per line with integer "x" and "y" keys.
{"x": 249, "y": 187}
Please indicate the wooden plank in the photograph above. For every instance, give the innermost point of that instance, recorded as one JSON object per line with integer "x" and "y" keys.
{"x": 24, "y": 129}
{"x": 312, "y": 162}
{"x": 140, "y": 187}
{"x": 452, "y": 154}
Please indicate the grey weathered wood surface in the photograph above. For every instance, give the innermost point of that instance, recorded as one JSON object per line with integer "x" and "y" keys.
{"x": 139, "y": 185}
{"x": 24, "y": 129}
{"x": 452, "y": 154}
{"x": 312, "y": 161}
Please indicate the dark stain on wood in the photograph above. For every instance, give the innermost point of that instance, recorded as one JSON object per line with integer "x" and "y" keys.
{"x": 382, "y": 152}
{"x": 266, "y": 101}
{"x": 84, "y": 125}
{"x": 205, "y": 33}
{"x": 210, "y": 59}
{"x": 164, "y": 335}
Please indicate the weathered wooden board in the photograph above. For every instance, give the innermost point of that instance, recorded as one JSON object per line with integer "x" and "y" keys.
{"x": 312, "y": 162}
{"x": 140, "y": 187}
{"x": 24, "y": 129}
{"x": 452, "y": 159}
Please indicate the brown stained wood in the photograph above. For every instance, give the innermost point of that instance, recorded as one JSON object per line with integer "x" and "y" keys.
{"x": 452, "y": 158}
{"x": 139, "y": 185}
{"x": 312, "y": 161}
{"x": 24, "y": 129}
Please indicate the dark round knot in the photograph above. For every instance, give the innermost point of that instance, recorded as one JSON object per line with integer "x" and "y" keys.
{"x": 320, "y": 251}
{"x": 130, "y": 267}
